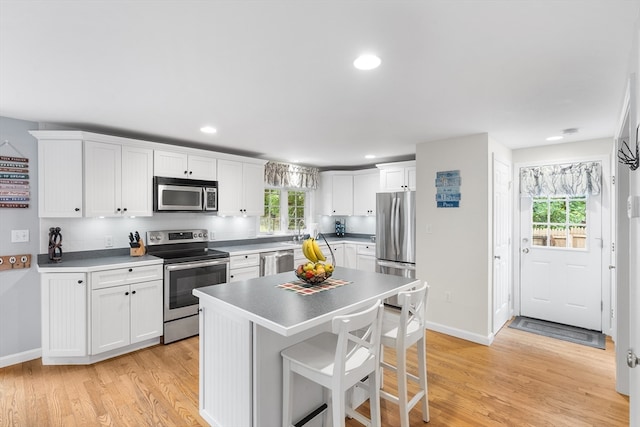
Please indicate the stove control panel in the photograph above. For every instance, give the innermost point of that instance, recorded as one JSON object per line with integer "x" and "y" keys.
{"x": 176, "y": 236}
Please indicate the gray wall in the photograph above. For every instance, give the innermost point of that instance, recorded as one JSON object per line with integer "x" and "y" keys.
{"x": 20, "y": 289}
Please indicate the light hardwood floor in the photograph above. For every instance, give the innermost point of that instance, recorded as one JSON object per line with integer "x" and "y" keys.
{"x": 520, "y": 380}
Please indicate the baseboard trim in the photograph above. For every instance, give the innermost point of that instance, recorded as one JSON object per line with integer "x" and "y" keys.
{"x": 459, "y": 333}
{"x": 25, "y": 356}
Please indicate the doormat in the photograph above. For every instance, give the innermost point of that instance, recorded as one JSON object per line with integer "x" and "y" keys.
{"x": 559, "y": 331}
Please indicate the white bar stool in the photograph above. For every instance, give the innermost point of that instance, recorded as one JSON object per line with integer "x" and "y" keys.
{"x": 337, "y": 361}
{"x": 401, "y": 331}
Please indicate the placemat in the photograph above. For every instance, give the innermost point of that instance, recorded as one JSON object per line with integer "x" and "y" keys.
{"x": 303, "y": 288}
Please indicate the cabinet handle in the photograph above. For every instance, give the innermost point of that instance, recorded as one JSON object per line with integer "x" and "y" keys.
{"x": 80, "y": 282}
{"x": 125, "y": 209}
{"x": 229, "y": 276}
{"x": 118, "y": 210}
{"x": 186, "y": 172}
{"x": 126, "y": 293}
{"x": 130, "y": 270}
{"x": 77, "y": 209}
{"x": 133, "y": 292}
{"x": 190, "y": 172}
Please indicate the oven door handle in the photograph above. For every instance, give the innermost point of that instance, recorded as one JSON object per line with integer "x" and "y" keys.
{"x": 189, "y": 265}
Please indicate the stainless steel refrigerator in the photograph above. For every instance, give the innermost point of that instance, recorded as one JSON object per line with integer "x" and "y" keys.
{"x": 396, "y": 235}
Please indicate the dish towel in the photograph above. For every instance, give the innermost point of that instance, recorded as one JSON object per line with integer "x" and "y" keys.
{"x": 270, "y": 265}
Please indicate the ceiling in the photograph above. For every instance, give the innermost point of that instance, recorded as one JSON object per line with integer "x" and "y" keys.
{"x": 276, "y": 77}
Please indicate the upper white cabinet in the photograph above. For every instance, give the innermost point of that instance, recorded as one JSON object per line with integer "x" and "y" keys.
{"x": 336, "y": 196}
{"x": 118, "y": 180}
{"x": 176, "y": 164}
{"x": 240, "y": 188}
{"x": 399, "y": 176}
{"x": 59, "y": 176}
{"x": 365, "y": 187}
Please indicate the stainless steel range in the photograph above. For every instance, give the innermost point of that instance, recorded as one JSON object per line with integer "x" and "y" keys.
{"x": 188, "y": 264}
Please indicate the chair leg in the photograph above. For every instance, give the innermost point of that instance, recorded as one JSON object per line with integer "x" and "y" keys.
{"x": 374, "y": 397}
{"x": 401, "y": 355}
{"x": 338, "y": 410}
{"x": 422, "y": 373}
{"x": 328, "y": 413}
{"x": 287, "y": 386}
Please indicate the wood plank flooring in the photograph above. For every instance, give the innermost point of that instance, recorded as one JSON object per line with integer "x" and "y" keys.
{"x": 522, "y": 379}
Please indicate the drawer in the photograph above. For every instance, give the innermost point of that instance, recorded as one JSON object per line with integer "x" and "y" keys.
{"x": 125, "y": 276}
{"x": 368, "y": 249}
{"x": 238, "y": 261}
{"x": 244, "y": 273}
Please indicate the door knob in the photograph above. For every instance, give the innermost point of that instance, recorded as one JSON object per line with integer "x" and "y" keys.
{"x": 632, "y": 359}
{"x": 525, "y": 250}
{"x": 496, "y": 256}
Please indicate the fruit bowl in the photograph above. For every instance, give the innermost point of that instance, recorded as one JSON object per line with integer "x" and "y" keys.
{"x": 313, "y": 274}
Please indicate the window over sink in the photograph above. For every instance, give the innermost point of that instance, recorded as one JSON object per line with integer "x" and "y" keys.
{"x": 284, "y": 211}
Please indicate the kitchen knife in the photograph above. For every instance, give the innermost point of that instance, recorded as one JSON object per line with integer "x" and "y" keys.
{"x": 137, "y": 237}
{"x": 131, "y": 238}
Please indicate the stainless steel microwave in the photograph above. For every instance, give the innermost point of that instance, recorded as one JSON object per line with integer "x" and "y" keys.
{"x": 184, "y": 195}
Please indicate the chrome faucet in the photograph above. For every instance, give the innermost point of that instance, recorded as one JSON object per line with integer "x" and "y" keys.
{"x": 298, "y": 236}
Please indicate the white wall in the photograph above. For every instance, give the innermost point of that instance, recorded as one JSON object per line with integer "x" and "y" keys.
{"x": 20, "y": 289}
{"x": 455, "y": 257}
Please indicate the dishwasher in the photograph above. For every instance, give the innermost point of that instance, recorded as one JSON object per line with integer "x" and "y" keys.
{"x": 276, "y": 262}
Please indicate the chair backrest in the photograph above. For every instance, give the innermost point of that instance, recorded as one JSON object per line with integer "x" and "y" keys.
{"x": 365, "y": 342}
{"x": 413, "y": 305}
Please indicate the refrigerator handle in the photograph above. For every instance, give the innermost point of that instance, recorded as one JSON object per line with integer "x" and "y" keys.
{"x": 393, "y": 225}
{"x": 396, "y": 226}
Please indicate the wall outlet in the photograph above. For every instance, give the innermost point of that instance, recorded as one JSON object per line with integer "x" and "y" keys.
{"x": 108, "y": 241}
{"x": 19, "y": 236}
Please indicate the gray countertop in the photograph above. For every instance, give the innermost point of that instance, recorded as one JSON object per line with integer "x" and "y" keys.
{"x": 287, "y": 313}
{"x": 87, "y": 265}
{"x": 276, "y": 246}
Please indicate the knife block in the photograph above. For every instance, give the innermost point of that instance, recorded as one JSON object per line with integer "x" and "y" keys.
{"x": 138, "y": 251}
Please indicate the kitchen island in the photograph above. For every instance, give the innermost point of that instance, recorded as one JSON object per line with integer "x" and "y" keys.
{"x": 244, "y": 326}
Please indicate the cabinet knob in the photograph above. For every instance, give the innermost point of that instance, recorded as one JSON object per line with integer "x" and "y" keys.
{"x": 133, "y": 292}
{"x": 118, "y": 210}
{"x": 77, "y": 209}
{"x": 130, "y": 270}
{"x": 186, "y": 172}
{"x": 126, "y": 293}
{"x": 231, "y": 276}
{"x": 125, "y": 209}
{"x": 190, "y": 172}
{"x": 80, "y": 282}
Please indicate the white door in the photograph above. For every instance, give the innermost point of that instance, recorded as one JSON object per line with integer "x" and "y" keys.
{"x": 501, "y": 243}
{"x": 560, "y": 259}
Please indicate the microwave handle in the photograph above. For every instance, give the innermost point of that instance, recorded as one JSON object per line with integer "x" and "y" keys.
{"x": 188, "y": 265}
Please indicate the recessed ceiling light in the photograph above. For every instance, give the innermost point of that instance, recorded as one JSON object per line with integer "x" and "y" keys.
{"x": 370, "y": 156}
{"x": 554, "y": 138}
{"x": 208, "y": 129}
{"x": 367, "y": 62}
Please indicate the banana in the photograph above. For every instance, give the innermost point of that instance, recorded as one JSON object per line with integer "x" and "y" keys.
{"x": 316, "y": 249}
{"x": 307, "y": 250}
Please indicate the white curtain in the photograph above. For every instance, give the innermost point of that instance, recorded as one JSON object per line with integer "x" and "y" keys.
{"x": 283, "y": 175}
{"x": 574, "y": 179}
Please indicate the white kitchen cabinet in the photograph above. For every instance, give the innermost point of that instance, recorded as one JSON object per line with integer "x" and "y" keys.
{"x": 366, "y": 258}
{"x": 126, "y": 308}
{"x": 399, "y": 176}
{"x": 64, "y": 315}
{"x": 59, "y": 177}
{"x": 118, "y": 180}
{"x": 176, "y": 164}
{"x": 336, "y": 196}
{"x": 350, "y": 255}
{"x": 365, "y": 187}
{"x": 240, "y": 188}
{"x": 338, "y": 253}
{"x": 243, "y": 267}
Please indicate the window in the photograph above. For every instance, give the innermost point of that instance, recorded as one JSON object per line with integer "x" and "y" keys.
{"x": 291, "y": 203}
{"x": 559, "y": 221}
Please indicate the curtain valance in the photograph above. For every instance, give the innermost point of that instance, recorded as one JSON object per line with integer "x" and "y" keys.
{"x": 576, "y": 179}
{"x": 284, "y": 175}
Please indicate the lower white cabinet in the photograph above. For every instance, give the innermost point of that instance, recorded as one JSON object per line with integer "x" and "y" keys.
{"x": 243, "y": 267}
{"x": 350, "y": 255}
{"x": 126, "y": 314}
{"x": 64, "y": 315}
{"x": 366, "y": 259}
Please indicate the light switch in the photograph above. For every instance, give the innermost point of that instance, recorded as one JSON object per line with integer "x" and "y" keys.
{"x": 19, "y": 236}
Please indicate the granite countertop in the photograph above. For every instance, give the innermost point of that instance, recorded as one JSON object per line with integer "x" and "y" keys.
{"x": 253, "y": 247}
{"x": 287, "y": 312}
{"x": 85, "y": 263}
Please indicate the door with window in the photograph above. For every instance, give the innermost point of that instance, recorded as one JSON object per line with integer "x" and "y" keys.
{"x": 561, "y": 255}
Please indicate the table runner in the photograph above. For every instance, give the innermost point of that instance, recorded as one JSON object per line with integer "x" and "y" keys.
{"x": 304, "y": 288}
